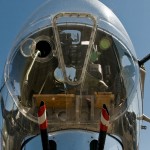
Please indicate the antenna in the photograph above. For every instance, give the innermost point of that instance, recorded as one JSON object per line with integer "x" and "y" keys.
{"x": 144, "y": 118}
{"x": 104, "y": 123}
{"x": 42, "y": 120}
{"x": 144, "y": 60}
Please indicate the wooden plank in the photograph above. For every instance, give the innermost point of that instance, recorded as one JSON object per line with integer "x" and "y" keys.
{"x": 103, "y": 98}
{"x": 55, "y": 100}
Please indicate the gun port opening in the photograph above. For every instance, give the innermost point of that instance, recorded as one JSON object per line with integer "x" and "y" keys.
{"x": 44, "y": 47}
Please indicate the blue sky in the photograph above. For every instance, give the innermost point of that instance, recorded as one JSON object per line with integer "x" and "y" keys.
{"x": 135, "y": 16}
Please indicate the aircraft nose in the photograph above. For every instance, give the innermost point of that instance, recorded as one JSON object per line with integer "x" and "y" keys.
{"x": 75, "y": 140}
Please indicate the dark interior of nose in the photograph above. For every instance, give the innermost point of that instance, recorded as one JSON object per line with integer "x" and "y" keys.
{"x": 44, "y": 47}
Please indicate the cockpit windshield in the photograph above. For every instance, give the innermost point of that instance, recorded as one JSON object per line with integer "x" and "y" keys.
{"x": 79, "y": 68}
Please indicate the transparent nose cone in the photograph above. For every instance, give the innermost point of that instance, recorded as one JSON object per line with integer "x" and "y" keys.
{"x": 75, "y": 61}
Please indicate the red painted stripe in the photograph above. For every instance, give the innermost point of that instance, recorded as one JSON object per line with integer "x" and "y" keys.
{"x": 103, "y": 127}
{"x": 43, "y": 125}
{"x": 105, "y": 115}
{"x": 41, "y": 110}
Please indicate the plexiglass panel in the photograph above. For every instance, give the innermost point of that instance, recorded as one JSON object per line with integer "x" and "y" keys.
{"x": 74, "y": 86}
